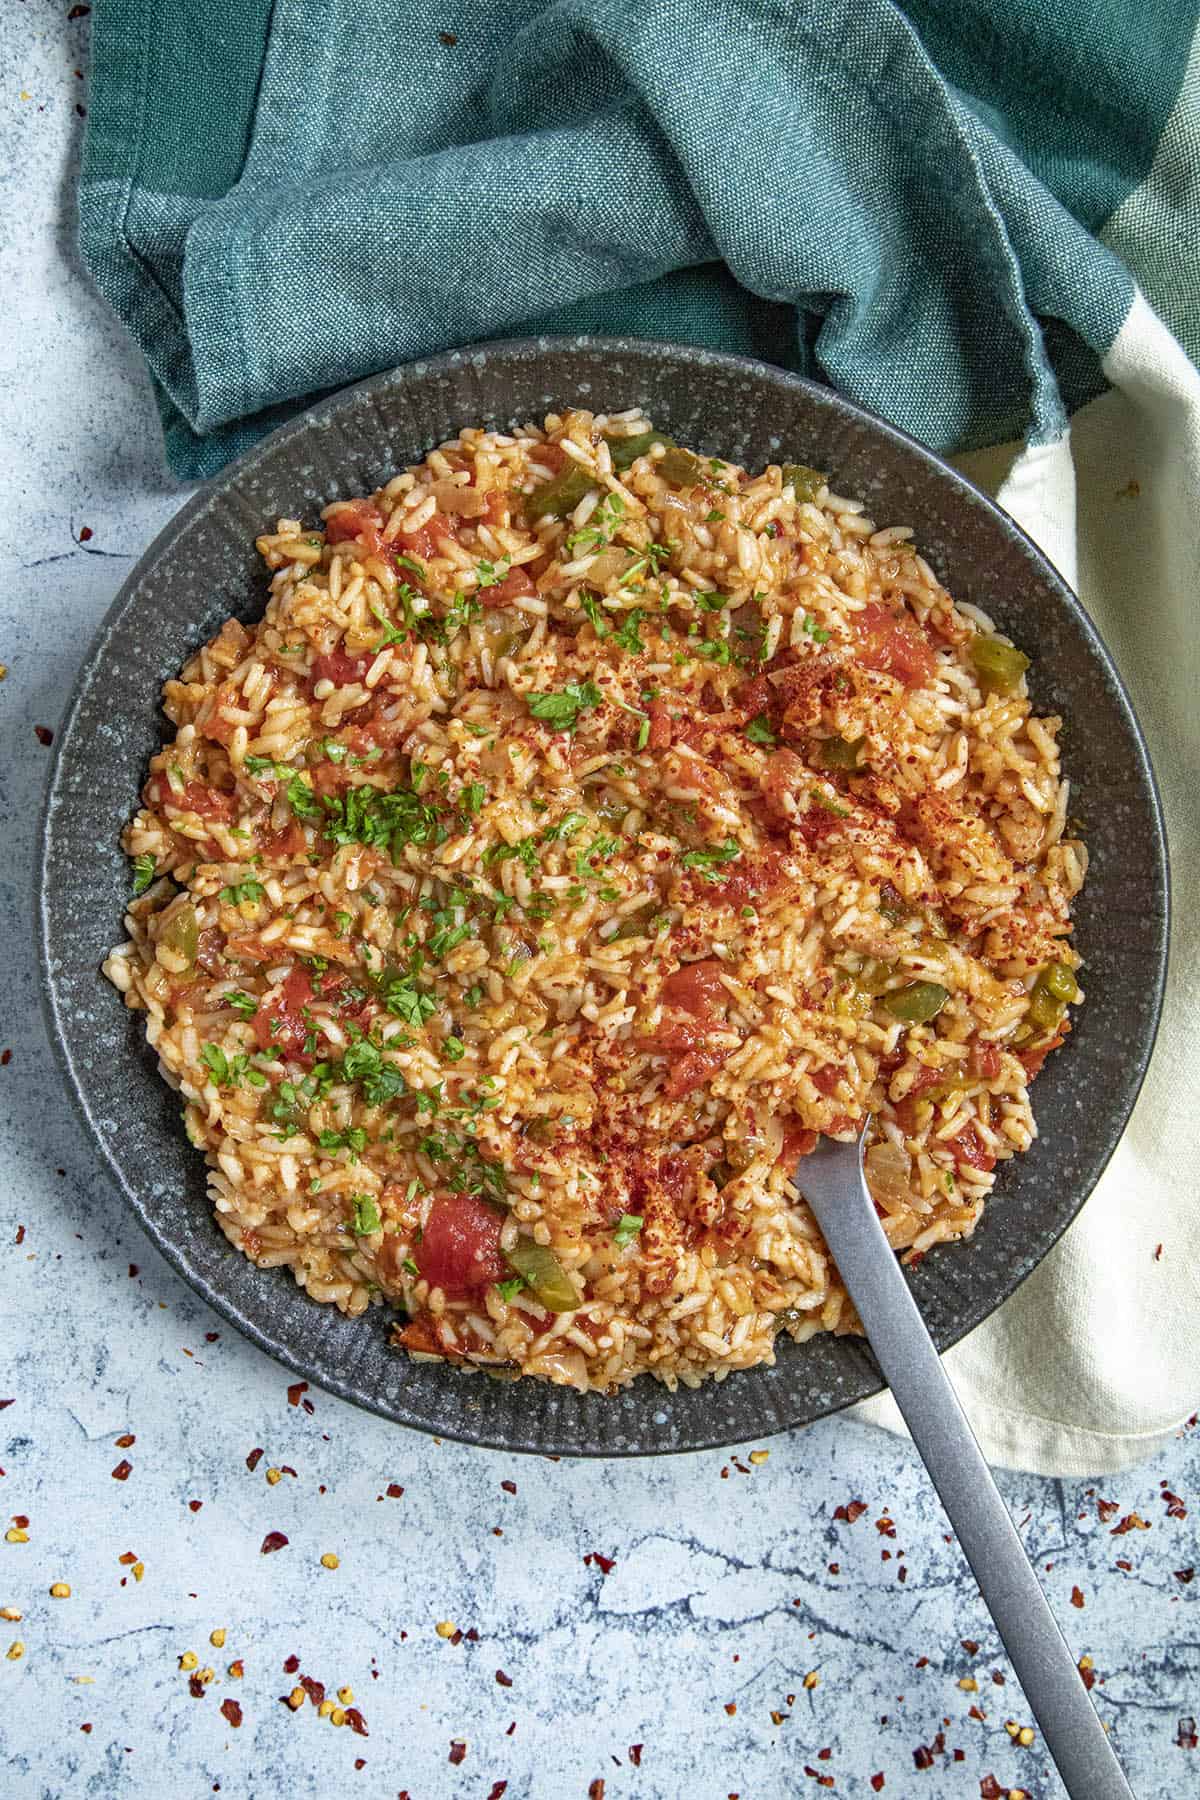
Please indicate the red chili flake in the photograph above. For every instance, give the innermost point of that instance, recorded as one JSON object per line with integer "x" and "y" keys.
{"x": 308, "y": 1406}
{"x": 394, "y": 1490}
{"x": 274, "y": 1540}
{"x": 1107, "y": 1509}
{"x": 1124, "y": 1563}
{"x": 43, "y": 734}
{"x": 195, "y": 1505}
{"x": 126, "y": 1441}
{"x": 596, "y": 1789}
{"x": 210, "y": 1337}
{"x": 1158, "y": 1250}
{"x": 134, "y": 1271}
{"x": 455, "y": 1638}
{"x": 503, "y": 1679}
{"x": 20, "y": 1234}
{"x": 741, "y": 1467}
{"x": 1185, "y": 1575}
{"x": 196, "y": 1687}
{"x": 313, "y": 1688}
{"x": 922, "y": 1662}
{"x": 923, "y": 1756}
{"x": 360, "y": 1762}
{"x": 835, "y": 1568}
{"x": 254, "y": 1458}
{"x": 731, "y": 1707}
{"x": 854, "y": 1510}
{"x": 824, "y": 1755}
{"x": 1088, "y": 1677}
{"x": 885, "y": 1527}
{"x": 232, "y": 1711}
{"x": 85, "y": 1728}
{"x": 127, "y": 1558}
{"x": 79, "y": 12}
{"x": 997, "y": 1677}
{"x": 509, "y": 1729}
{"x": 294, "y": 1392}
{"x": 287, "y": 1469}
{"x": 605, "y": 1564}
{"x": 877, "y": 1782}
{"x": 449, "y": 38}
{"x": 970, "y": 1646}
{"x": 990, "y": 1789}
{"x": 5, "y": 1059}
{"x": 1131, "y": 1522}
{"x": 1174, "y": 1505}
{"x": 977, "y": 1712}
{"x": 635, "y": 1755}
{"x": 291, "y": 1665}
{"x": 510, "y": 1487}
{"x": 499, "y": 1789}
{"x": 472, "y": 1636}
{"x": 356, "y": 1722}
{"x": 1186, "y": 1737}
{"x": 902, "y": 1574}
{"x": 458, "y": 1750}
{"x": 1077, "y": 1597}
{"x": 4, "y": 1403}
{"x": 123, "y": 1470}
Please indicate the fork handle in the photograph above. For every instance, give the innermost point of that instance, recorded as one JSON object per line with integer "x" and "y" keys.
{"x": 913, "y": 1370}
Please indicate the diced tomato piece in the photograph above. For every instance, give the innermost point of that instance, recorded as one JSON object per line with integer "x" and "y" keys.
{"x": 693, "y": 1070}
{"x": 748, "y": 881}
{"x": 195, "y": 796}
{"x": 1033, "y": 1061}
{"x": 985, "y": 1060}
{"x": 424, "y": 541}
{"x": 356, "y": 519}
{"x": 460, "y": 1246}
{"x": 495, "y": 506}
{"x": 550, "y": 456}
{"x": 342, "y": 991}
{"x": 697, "y": 988}
{"x": 286, "y": 843}
{"x": 340, "y": 667}
{"x": 826, "y": 1078}
{"x": 894, "y": 644}
{"x": 421, "y": 1334}
{"x": 970, "y": 1151}
{"x": 516, "y": 585}
{"x": 278, "y": 1023}
{"x": 784, "y": 779}
{"x": 798, "y": 1140}
{"x": 660, "y": 726}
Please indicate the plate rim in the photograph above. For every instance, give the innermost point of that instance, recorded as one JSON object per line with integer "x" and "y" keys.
{"x": 227, "y": 480}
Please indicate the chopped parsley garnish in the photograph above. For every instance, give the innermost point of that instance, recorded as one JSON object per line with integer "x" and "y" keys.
{"x": 759, "y": 731}
{"x": 816, "y": 632}
{"x": 524, "y": 852}
{"x": 627, "y": 1228}
{"x": 380, "y": 1081}
{"x": 716, "y": 650}
{"x": 508, "y": 1290}
{"x": 643, "y": 734}
{"x": 594, "y": 613}
{"x": 566, "y": 827}
{"x": 471, "y": 799}
{"x": 492, "y": 574}
{"x": 302, "y": 800}
{"x": 243, "y": 890}
{"x": 143, "y": 873}
{"x": 245, "y": 1004}
{"x": 453, "y": 1049}
{"x": 561, "y": 709}
{"x": 354, "y": 1139}
{"x": 405, "y": 1000}
{"x": 708, "y": 861}
{"x": 714, "y": 602}
{"x": 473, "y": 996}
{"x": 627, "y": 637}
{"x": 366, "y": 1215}
{"x": 225, "y": 1071}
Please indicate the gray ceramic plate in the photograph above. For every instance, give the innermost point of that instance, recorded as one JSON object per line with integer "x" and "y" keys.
{"x": 203, "y": 567}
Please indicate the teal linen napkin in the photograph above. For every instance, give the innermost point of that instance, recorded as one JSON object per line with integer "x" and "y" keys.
{"x": 277, "y": 199}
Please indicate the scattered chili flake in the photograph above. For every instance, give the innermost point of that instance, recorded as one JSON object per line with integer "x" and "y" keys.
{"x": 885, "y": 1527}
{"x": 635, "y": 1755}
{"x": 1131, "y": 1522}
{"x": 123, "y": 1470}
{"x": 360, "y": 1762}
{"x": 471, "y": 1635}
{"x": 195, "y": 1687}
{"x": 126, "y": 1441}
{"x": 291, "y": 1664}
{"x": 134, "y": 1271}
{"x": 1124, "y": 1563}
{"x": 4, "y": 1403}
{"x": 810, "y": 1680}
{"x": 731, "y": 1707}
{"x": 85, "y": 1728}
{"x": 195, "y": 1505}
{"x": 509, "y": 1729}
{"x": 295, "y": 1391}
{"x": 835, "y": 1568}
{"x": 990, "y": 1789}
{"x": 923, "y": 1756}
{"x": 1185, "y": 1575}
{"x": 1174, "y": 1505}
{"x": 274, "y": 1540}
{"x": 499, "y": 1789}
{"x": 605, "y": 1564}
{"x": 356, "y": 1722}
{"x": 43, "y": 734}
{"x": 877, "y": 1782}
{"x": 20, "y": 1234}
{"x": 394, "y": 1490}
{"x": 458, "y": 1750}
{"x": 970, "y": 1646}
{"x": 596, "y": 1789}
{"x": 1186, "y": 1737}
{"x": 510, "y": 1487}
{"x": 1077, "y": 1597}
{"x": 1087, "y": 1671}
{"x": 237, "y": 1669}
{"x": 127, "y": 1558}
{"x": 853, "y": 1510}
{"x": 1158, "y": 1250}
{"x": 1107, "y": 1510}
{"x": 503, "y": 1679}
{"x": 232, "y": 1711}
{"x": 313, "y": 1688}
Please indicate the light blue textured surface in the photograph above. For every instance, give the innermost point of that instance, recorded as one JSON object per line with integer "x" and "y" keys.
{"x": 722, "y": 1591}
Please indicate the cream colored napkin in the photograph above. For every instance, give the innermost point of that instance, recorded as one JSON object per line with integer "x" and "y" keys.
{"x": 1096, "y": 1359}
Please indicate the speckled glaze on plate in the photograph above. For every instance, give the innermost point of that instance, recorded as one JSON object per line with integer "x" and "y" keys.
{"x": 204, "y": 567}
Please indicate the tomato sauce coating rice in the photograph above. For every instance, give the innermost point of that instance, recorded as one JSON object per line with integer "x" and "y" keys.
{"x": 587, "y": 826}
